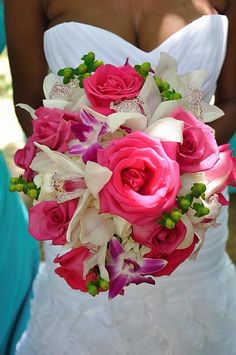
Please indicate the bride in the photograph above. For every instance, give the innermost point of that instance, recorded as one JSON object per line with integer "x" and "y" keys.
{"x": 193, "y": 312}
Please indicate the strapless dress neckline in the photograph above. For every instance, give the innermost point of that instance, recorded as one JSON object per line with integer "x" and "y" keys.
{"x": 196, "y": 22}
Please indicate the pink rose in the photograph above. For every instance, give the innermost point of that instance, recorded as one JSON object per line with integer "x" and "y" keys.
{"x": 49, "y": 220}
{"x": 159, "y": 238}
{"x": 199, "y": 150}
{"x": 144, "y": 182}
{"x": 173, "y": 259}
{"x": 23, "y": 158}
{"x": 72, "y": 268}
{"x": 223, "y": 173}
{"x": 110, "y": 83}
{"x": 53, "y": 128}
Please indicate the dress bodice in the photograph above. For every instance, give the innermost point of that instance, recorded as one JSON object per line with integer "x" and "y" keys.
{"x": 199, "y": 45}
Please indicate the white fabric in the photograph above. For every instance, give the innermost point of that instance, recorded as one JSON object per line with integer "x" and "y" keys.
{"x": 193, "y": 312}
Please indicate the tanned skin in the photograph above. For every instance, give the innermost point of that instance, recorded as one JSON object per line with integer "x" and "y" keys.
{"x": 144, "y": 23}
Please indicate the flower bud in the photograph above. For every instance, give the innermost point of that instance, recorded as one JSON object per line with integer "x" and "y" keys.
{"x": 198, "y": 189}
{"x": 90, "y": 57}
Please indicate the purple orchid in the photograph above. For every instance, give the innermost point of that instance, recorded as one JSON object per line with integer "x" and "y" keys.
{"x": 123, "y": 269}
{"x": 87, "y": 132}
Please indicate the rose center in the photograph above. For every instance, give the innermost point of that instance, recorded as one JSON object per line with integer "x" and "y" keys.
{"x": 134, "y": 178}
{"x": 189, "y": 145}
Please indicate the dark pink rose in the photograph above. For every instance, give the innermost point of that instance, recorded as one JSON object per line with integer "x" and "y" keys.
{"x": 159, "y": 238}
{"x": 110, "y": 83}
{"x": 144, "y": 180}
{"x": 199, "y": 150}
{"x": 23, "y": 158}
{"x": 72, "y": 268}
{"x": 53, "y": 128}
{"x": 49, "y": 220}
{"x": 173, "y": 259}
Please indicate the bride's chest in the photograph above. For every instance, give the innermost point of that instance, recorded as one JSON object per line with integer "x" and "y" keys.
{"x": 144, "y": 23}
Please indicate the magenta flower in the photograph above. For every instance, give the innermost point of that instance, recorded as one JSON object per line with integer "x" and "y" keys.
{"x": 123, "y": 269}
{"x": 87, "y": 132}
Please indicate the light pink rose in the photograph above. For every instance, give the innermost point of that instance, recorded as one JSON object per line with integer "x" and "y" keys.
{"x": 223, "y": 173}
{"x": 159, "y": 238}
{"x": 110, "y": 83}
{"x": 49, "y": 220}
{"x": 53, "y": 128}
{"x": 199, "y": 150}
{"x": 144, "y": 182}
{"x": 72, "y": 268}
{"x": 23, "y": 158}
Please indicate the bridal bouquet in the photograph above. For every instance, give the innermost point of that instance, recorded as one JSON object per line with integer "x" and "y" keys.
{"x": 125, "y": 175}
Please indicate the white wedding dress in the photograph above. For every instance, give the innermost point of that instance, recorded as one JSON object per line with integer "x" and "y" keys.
{"x": 193, "y": 312}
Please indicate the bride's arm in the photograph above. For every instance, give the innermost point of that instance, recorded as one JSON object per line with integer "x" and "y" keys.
{"x": 25, "y": 24}
{"x": 226, "y": 88}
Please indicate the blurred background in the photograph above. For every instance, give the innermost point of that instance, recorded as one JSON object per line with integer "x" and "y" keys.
{"x": 11, "y": 138}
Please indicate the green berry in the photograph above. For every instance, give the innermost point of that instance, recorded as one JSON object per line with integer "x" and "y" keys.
{"x": 158, "y": 81}
{"x": 98, "y": 63}
{"x": 19, "y": 187}
{"x": 92, "y": 289}
{"x": 176, "y": 96}
{"x": 176, "y": 215}
{"x": 104, "y": 284}
{"x": 82, "y": 69}
{"x": 165, "y": 86}
{"x": 14, "y": 180}
{"x": 87, "y": 75}
{"x": 90, "y": 57}
{"x": 68, "y": 72}
{"x": 198, "y": 189}
{"x": 31, "y": 185}
{"x": 184, "y": 203}
{"x": 146, "y": 67}
{"x": 33, "y": 193}
{"x": 12, "y": 188}
{"x": 169, "y": 223}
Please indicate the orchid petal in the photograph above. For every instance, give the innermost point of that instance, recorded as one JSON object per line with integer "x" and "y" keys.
{"x": 98, "y": 259}
{"x": 28, "y": 109}
{"x": 195, "y": 79}
{"x": 211, "y": 112}
{"x": 73, "y": 232}
{"x": 167, "y": 129}
{"x": 48, "y": 83}
{"x": 189, "y": 233}
{"x": 96, "y": 176}
{"x": 61, "y": 104}
{"x": 165, "y": 109}
{"x": 117, "y": 285}
{"x": 115, "y": 249}
{"x": 96, "y": 228}
{"x": 150, "y": 96}
{"x": 149, "y": 266}
{"x": 134, "y": 120}
{"x": 66, "y": 164}
{"x": 95, "y": 114}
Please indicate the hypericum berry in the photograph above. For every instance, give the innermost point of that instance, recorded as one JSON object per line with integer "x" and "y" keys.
{"x": 169, "y": 223}
{"x": 82, "y": 69}
{"x": 32, "y": 193}
{"x": 104, "y": 284}
{"x": 92, "y": 289}
{"x": 176, "y": 214}
{"x": 198, "y": 189}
